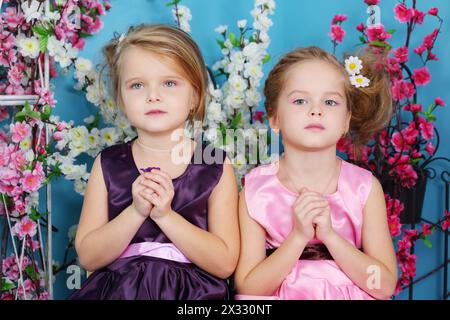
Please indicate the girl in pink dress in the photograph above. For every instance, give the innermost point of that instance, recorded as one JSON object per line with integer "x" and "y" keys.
{"x": 314, "y": 226}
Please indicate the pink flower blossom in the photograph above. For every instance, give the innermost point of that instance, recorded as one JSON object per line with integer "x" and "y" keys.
{"x": 46, "y": 97}
{"x": 258, "y": 116}
{"x": 407, "y": 137}
{"x": 433, "y": 11}
{"x": 12, "y": 17}
{"x": 428, "y": 40}
{"x": 58, "y": 136}
{"x": 96, "y": 26}
{"x": 20, "y": 131}
{"x": 413, "y": 107}
{"x": 420, "y": 49}
{"x": 430, "y": 148}
{"x": 394, "y": 69}
{"x": 28, "y": 285}
{"x": 402, "y": 13}
{"x": 421, "y": 76}
{"x": 360, "y": 27}
{"x": 25, "y": 227}
{"x": 394, "y": 226}
{"x": 372, "y": 2}
{"x": 31, "y": 181}
{"x": 14, "y": 75}
{"x": 446, "y": 222}
{"x": 402, "y": 90}
{"x": 426, "y": 128}
{"x": 339, "y": 18}
{"x": 18, "y": 160}
{"x": 439, "y": 102}
{"x": 426, "y": 231}
{"x": 401, "y": 54}
{"x": 394, "y": 209}
{"x": 337, "y": 33}
{"x": 377, "y": 33}
{"x": 417, "y": 16}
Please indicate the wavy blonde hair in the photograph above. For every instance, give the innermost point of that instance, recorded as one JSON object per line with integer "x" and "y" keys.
{"x": 168, "y": 42}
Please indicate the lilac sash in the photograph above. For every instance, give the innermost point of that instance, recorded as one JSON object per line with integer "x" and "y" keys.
{"x": 155, "y": 249}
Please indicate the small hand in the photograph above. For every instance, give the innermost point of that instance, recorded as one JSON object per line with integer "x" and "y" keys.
{"x": 323, "y": 224}
{"x": 160, "y": 192}
{"x": 307, "y": 206}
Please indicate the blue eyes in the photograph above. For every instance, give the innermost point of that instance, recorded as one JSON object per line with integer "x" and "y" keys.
{"x": 170, "y": 83}
{"x": 329, "y": 102}
{"x": 299, "y": 101}
{"x": 139, "y": 85}
{"x": 136, "y": 86}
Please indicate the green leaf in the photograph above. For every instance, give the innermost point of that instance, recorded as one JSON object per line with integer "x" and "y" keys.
{"x": 172, "y": 3}
{"x": 432, "y": 118}
{"x": 266, "y": 58}
{"x": 237, "y": 119}
{"x": 46, "y": 112}
{"x": 362, "y": 39}
{"x": 85, "y": 35}
{"x": 415, "y": 160}
{"x": 41, "y": 31}
{"x": 379, "y": 44}
{"x": 232, "y": 38}
{"x": 221, "y": 44}
{"x": 7, "y": 285}
{"x": 251, "y": 39}
{"x": 19, "y": 116}
{"x": 95, "y": 123}
{"x": 31, "y": 272}
{"x": 391, "y": 31}
{"x": 34, "y": 115}
{"x": 27, "y": 107}
{"x": 427, "y": 242}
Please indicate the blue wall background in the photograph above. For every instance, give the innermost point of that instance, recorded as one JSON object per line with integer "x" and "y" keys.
{"x": 296, "y": 23}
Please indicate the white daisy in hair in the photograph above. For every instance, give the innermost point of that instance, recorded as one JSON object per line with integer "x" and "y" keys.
{"x": 359, "y": 81}
{"x": 353, "y": 65}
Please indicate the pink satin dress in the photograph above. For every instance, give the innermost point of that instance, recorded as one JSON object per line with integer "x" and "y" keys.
{"x": 269, "y": 203}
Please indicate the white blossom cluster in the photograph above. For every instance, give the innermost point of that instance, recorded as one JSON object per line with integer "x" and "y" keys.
{"x": 88, "y": 138}
{"x": 233, "y": 105}
{"x": 182, "y": 16}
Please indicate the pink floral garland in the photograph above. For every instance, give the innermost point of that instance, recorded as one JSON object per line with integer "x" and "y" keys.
{"x": 22, "y": 173}
{"x": 411, "y": 143}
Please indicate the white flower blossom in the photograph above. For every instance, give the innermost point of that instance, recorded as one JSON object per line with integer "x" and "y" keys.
{"x": 183, "y": 16}
{"x": 221, "y": 29}
{"x": 109, "y": 136}
{"x": 238, "y": 83}
{"x": 241, "y": 24}
{"x": 32, "y": 9}
{"x": 28, "y": 47}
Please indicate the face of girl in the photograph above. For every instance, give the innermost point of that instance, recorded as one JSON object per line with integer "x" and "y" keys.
{"x": 156, "y": 96}
{"x": 312, "y": 110}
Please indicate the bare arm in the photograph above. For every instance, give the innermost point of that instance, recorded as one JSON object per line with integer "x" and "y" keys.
{"x": 99, "y": 242}
{"x": 256, "y": 274}
{"x": 217, "y": 249}
{"x": 375, "y": 269}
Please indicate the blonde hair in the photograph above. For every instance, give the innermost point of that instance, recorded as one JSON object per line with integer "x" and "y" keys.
{"x": 168, "y": 42}
{"x": 371, "y": 107}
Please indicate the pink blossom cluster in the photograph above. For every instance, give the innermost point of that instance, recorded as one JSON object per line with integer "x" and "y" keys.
{"x": 31, "y": 288}
{"x": 337, "y": 33}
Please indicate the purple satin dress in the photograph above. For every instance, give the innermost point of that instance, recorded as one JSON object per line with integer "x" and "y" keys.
{"x": 146, "y": 277}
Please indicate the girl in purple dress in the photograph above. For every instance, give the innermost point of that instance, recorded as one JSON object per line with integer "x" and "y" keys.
{"x": 159, "y": 219}
{"x": 314, "y": 226}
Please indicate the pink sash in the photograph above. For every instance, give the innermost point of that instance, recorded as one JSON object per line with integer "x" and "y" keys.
{"x": 155, "y": 249}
